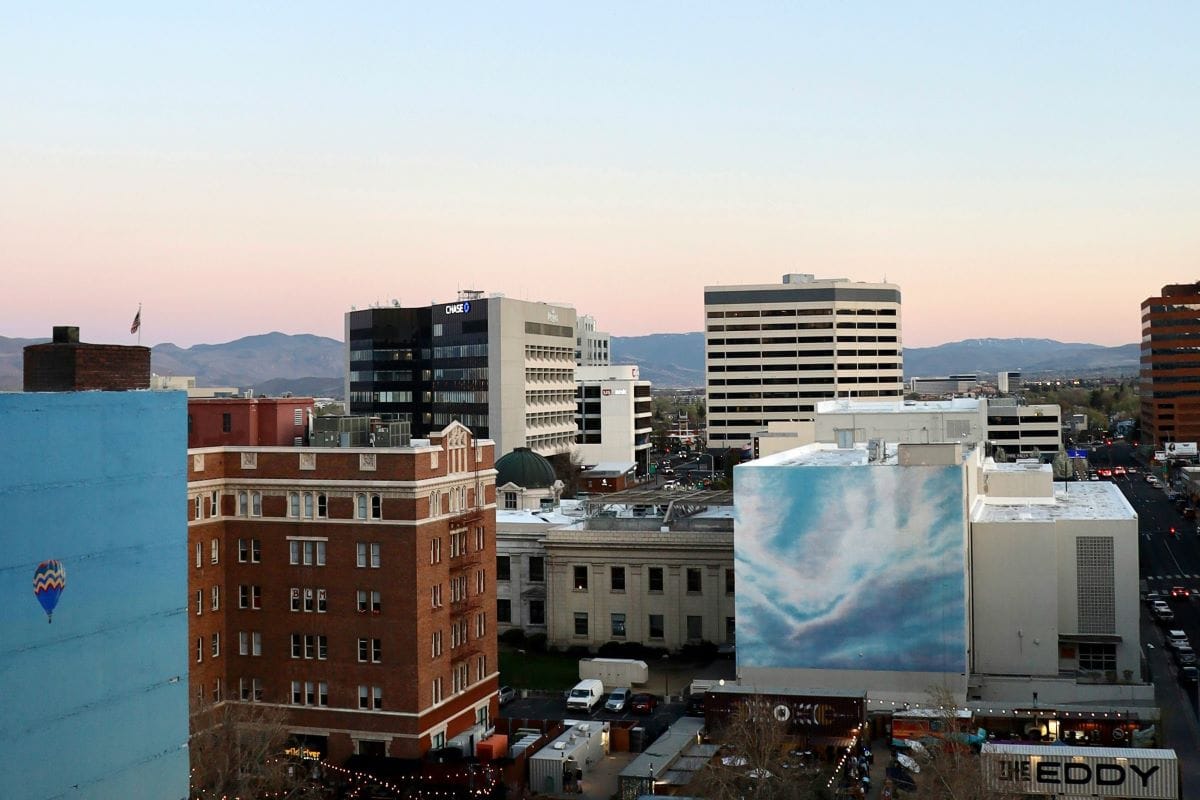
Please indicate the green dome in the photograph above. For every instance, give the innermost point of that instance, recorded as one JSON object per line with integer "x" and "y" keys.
{"x": 526, "y": 469}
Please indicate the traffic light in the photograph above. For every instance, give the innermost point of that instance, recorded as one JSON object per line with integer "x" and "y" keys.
{"x": 1172, "y": 531}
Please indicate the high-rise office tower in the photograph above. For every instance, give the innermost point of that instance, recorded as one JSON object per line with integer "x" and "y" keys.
{"x": 772, "y": 351}
{"x": 503, "y": 367}
{"x": 1171, "y": 365}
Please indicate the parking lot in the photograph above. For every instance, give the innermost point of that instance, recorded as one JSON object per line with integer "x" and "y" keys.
{"x": 553, "y": 706}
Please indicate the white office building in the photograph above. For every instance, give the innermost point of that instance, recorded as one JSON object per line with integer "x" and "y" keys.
{"x": 772, "y": 351}
{"x": 591, "y": 345}
{"x": 613, "y": 410}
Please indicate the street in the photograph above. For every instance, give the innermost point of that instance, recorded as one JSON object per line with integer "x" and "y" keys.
{"x": 1165, "y": 561}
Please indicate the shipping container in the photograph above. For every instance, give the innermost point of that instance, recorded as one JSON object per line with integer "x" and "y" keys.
{"x": 831, "y": 713}
{"x": 1118, "y": 772}
{"x": 614, "y": 672}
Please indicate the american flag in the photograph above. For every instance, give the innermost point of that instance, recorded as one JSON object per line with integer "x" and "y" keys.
{"x": 137, "y": 321}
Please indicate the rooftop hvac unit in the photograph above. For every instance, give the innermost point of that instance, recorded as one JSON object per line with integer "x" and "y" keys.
{"x": 876, "y": 450}
{"x": 845, "y": 438}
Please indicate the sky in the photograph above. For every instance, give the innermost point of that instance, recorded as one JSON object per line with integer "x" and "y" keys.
{"x": 1019, "y": 169}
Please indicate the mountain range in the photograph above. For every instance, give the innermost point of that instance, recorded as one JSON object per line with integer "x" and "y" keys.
{"x": 304, "y": 364}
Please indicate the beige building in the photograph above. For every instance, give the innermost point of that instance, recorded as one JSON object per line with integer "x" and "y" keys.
{"x": 772, "y": 351}
{"x": 628, "y": 579}
{"x": 1054, "y": 570}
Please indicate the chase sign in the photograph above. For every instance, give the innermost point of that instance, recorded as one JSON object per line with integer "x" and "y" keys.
{"x": 459, "y": 308}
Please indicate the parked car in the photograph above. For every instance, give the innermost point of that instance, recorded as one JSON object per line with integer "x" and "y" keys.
{"x": 1176, "y": 639}
{"x": 1189, "y": 675}
{"x": 586, "y": 695}
{"x": 1162, "y": 612}
{"x": 507, "y": 694}
{"x": 1180, "y": 591}
{"x": 695, "y": 705}
{"x": 1185, "y": 656}
{"x": 1152, "y": 598}
{"x": 643, "y": 703}
{"x": 617, "y": 700}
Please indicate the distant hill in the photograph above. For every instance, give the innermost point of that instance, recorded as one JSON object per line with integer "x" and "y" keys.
{"x": 665, "y": 359}
{"x": 303, "y": 364}
{"x": 254, "y": 360}
{"x": 1029, "y": 356}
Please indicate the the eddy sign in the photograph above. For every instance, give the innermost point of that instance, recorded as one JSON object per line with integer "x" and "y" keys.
{"x": 1081, "y": 772}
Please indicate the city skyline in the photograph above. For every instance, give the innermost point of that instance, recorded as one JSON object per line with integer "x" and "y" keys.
{"x": 1017, "y": 171}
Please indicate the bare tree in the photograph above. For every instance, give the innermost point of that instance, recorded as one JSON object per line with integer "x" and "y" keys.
{"x": 755, "y": 761}
{"x": 951, "y": 768}
{"x": 237, "y": 750}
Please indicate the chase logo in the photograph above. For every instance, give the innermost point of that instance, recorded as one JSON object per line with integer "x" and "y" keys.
{"x": 459, "y": 308}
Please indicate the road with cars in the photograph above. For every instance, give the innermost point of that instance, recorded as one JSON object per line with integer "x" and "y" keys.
{"x": 1169, "y": 558}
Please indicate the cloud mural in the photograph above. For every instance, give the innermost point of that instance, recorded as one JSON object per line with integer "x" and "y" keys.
{"x": 850, "y": 567}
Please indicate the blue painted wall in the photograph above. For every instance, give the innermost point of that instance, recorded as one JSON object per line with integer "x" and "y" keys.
{"x": 852, "y": 568}
{"x": 95, "y": 704}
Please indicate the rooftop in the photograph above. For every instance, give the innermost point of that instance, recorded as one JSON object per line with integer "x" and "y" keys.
{"x": 1072, "y": 501}
{"x": 853, "y": 406}
{"x": 823, "y": 454}
{"x": 524, "y": 517}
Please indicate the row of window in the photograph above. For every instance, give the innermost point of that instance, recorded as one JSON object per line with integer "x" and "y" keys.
{"x": 315, "y": 505}
{"x": 655, "y": 626}
{"x": 655, "y": 580}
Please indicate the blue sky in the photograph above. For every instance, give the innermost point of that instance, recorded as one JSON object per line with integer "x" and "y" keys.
{"x": 1004, "y": 164}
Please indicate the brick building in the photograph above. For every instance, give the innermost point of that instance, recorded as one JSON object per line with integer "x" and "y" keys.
{"x": 66, "y": 364}
{"x": 256, "y": 421}
{"x": 1170, "y": 375}
{"x": 351, "y": 586}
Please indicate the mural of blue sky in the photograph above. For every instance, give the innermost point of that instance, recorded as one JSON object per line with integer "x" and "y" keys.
{"x": 850, "y": 568}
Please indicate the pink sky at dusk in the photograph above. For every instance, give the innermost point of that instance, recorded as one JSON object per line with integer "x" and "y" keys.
{"x": 237, "y": 183}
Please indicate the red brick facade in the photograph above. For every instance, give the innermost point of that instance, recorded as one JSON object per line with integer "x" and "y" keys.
{"x": 1170, "y": 373}
{"x": 362, "y": 559}
{"x": 68, "y": 365}
{"x": 253, "y": 421}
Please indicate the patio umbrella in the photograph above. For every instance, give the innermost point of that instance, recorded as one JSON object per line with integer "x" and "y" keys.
{"x": 917, "y": 748}
{"x": 909, "y": 763}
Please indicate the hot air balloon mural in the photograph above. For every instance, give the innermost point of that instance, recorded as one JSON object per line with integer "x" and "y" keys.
{"x": 48, "y": 583}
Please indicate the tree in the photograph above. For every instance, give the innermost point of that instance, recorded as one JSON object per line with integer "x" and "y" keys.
{"x": 950, "y": 768}
{"x": 237, "y": 750}
{"x": 752, "y": 767}
{"x": 568, "y": 467}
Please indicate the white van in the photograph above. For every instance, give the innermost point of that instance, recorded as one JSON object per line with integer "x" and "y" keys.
{"x": 586, "y": 694}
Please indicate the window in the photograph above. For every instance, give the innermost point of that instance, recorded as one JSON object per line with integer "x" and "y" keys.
{"x": 695, "y": 628}
{"x": 618, "y": 625}
{"x": 249, "y": 597}
{"x": 729, "y": 584}
{"x": 199, "y": 649}
{"x": 436, "y": 595}
{"x": 503, "y": 610}
{"x": 370, "y": 650}
{"x": 460, "y": 678}
{"x": 199, "y": 508}
{"x": 376, "y": 506}
{"x": 243, "y": 504}
{"x": 693, "y": 580}
{"x": 322, "y": 506}
{"x": 439, "y": 739}
{"x": 199, "y": 554}
{"x": 368, "y": 601}
{"x": 249, "y": 551}
{"x": 216, "y": 598}
{"x": 618, "y": 578}
{"x": 437, "y": 644}
{"x": 360, "y": 505}
{"x": 216, "y": 694}
{"x": 370, "y": 697}
{"x": 480, "y": 538}
{"x": 250, "y": 689}
{"x": 199, "y": 602}
{"x": 249, "y": 643}
{"x": 369, "y": 554}
{"x": 310, "y": 693}
{"x": 1102, "y": 657}
{"x": 256, "y": 504}
{"x": 655, "y": 581}
{"x": 480, "y": 625}
{"x": 293, "y": 504}
{"x": 226, "y": 423}
{"x": 308, "y": 505}
{"x": 537, "y": 569}
{"x": 298, "y": 417}
{"x": 216, "y": 645}
{"x": 656, "y": 626}
{"x": 581, "y": 623}
{"x": 435, "y": 550}
{"x": 581, "y": 578}
{"x": 537, "y": 612}
{"x": 214, "y": 505}
{"x": 502, "y": 568}
{"x": 510, "y": 500}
